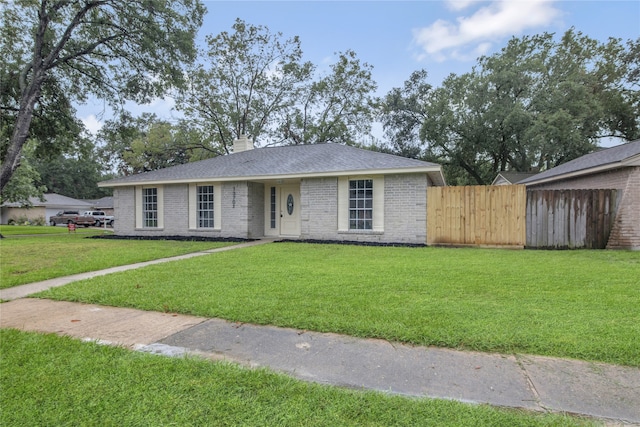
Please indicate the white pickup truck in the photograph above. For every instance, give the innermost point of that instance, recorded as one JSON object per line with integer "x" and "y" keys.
{"x": 100, "y": 217}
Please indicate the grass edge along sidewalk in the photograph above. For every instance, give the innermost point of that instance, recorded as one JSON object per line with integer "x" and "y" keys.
{"x": 34, "y": 258}
{"x": 48, "y": 379}
{"x": 572, "y": 304}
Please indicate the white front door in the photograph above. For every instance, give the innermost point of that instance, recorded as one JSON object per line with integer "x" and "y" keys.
{"x": 290, "y": 210}
{"x": 282, "y": 209}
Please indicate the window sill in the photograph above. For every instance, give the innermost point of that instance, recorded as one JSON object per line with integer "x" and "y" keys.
{"x": 367, "y": 232}
{"x": 205, "y": 230}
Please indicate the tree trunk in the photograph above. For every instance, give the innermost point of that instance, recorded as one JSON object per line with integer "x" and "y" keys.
{"x": 20, "y": 133}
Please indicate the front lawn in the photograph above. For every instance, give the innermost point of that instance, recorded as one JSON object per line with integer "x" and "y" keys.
{"x": 34, "y": 258}
{"x": 576, "y": 304}
{"x": 51, "y": 380}
{"x": 29, "y": 230}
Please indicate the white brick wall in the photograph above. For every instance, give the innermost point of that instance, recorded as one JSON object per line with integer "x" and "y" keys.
{"x": 243, "y": 213}
{"x": 405, "y": 214}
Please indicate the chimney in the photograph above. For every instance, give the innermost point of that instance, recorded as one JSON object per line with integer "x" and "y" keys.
{"x": 242, "y": 144}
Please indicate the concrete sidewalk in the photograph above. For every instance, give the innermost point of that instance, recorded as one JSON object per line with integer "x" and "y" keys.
{"x": 608, "y": 392}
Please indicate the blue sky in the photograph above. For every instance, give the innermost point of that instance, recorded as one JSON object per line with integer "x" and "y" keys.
{"x": 399, "y": 37}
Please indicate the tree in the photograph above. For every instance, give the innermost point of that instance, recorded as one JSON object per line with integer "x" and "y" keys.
{"x": 111, "y": 49}
{"x": 255, "y": 83}
{"x": 129, "y": 145}
{"x": 74, "y": 175}
{"x": 536, "y": 104}
{"x": 337, "y": 107}
{"x": 251, "y": 74}
{"x": 24, "y": 183}
{"x": 402, "y": 112}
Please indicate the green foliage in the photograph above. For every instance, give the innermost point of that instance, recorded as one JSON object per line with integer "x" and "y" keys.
{"x": 536, "y": 104}
{"x": 26, "y": 221}
{"x": 251, "y": 75}
{"x": 133, "y": 145}
{"x": 255, "y": 83}
{"x": 50, "y": 380}
{"x": 23, "y": 185}
{"x": 55, "y": 53}
{"x": 335, "y": 108}
{"x": 75, "y": 175}
{"x": 577, "y": 304}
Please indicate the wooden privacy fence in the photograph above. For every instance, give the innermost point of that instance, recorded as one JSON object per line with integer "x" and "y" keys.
{"x": 570, "y": 218}
{"x": 476, "y": 215}
{"x": 510, "y": 215}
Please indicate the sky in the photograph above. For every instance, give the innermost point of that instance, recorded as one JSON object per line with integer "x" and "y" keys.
{"x": 399, "y": 37}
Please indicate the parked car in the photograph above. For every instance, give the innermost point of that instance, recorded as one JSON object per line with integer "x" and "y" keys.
{"x": 72, "y": 217}
{"x": 100, "y": 218}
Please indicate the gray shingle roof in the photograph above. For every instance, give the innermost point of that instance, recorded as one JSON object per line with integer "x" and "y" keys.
{"x": 296, "y": 160}
{"x": 53, "y": 200}
{"x": 514, "y": 177}
{"x": 610, "y": 156}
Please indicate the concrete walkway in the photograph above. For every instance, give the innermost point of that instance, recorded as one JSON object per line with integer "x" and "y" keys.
{"x": 607, "y": 392}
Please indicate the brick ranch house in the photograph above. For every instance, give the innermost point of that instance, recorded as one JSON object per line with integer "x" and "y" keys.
{"x": 314, "y": 192}
{"x": 612, "y": 168}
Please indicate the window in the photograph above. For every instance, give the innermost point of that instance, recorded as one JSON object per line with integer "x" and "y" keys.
{"x": 272, "y": 209}
{"x": 205, "y": 206}
{"x": 150, "y": 207}
{"x": 361, "y": 204}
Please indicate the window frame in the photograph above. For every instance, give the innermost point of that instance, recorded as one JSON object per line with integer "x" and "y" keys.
{"x": 141, "y": 210}
{"x": 377, "y": 206}
{"x": 360, "y": 204}
{"x": 194, "y": 206}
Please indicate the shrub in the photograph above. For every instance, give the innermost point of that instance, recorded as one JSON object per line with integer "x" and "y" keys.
{"x": 24, "y": 220}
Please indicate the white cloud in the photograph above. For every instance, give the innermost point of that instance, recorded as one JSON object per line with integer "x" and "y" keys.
{"x": 492, "y": 22}
{"x": 459, "y": 4}
{"x": 92, "y": 123}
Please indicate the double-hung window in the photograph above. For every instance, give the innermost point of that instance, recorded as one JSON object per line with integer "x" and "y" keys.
{"x": 361, "y": 204}
{"x": 205, "y": 201}
{"x": 150, "y": 207}
{"x": 205, "y": 206}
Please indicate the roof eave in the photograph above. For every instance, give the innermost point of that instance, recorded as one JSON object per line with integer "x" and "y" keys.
{"x": 581, "y": 172}
{"x": 434, "y": 172}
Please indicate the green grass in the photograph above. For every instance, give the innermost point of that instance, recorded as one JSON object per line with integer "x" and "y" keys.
{"x": 26, "y": 230}
{"x": 576, "y": 304}
{"x": 50, "y": 380}
{"x": 35, "y": 258}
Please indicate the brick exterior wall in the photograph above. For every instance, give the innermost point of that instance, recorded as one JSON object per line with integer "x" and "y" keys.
{"x": 243, "y": 214}
{"x": 405, "y": 212}
{"x": 319, "y": 209}
{"x": 124, "y": 208}
{"x": 625, "y": 233}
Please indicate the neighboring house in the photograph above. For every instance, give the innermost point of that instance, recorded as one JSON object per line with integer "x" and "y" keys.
{"x": 314, "y": 192}
{"x": 104, "y": 204}
{"x": 509, "y": 178}
{"x": 52, "y": 204}
{"x": 612, "y": 168}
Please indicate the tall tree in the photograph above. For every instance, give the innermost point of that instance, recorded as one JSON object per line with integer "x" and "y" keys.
{"x": 251, "y": 74}
{"x": 75, "y": 175}
{"x": 338, "y": 107}
{"x": 129, "y": 145}
{"x": 112, "y": 49}
{"x": 538, "y": 103}
{"x": 254, "y": 82}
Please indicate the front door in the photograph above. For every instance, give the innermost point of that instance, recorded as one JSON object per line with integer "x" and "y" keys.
{"x": 289, "y": 210}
